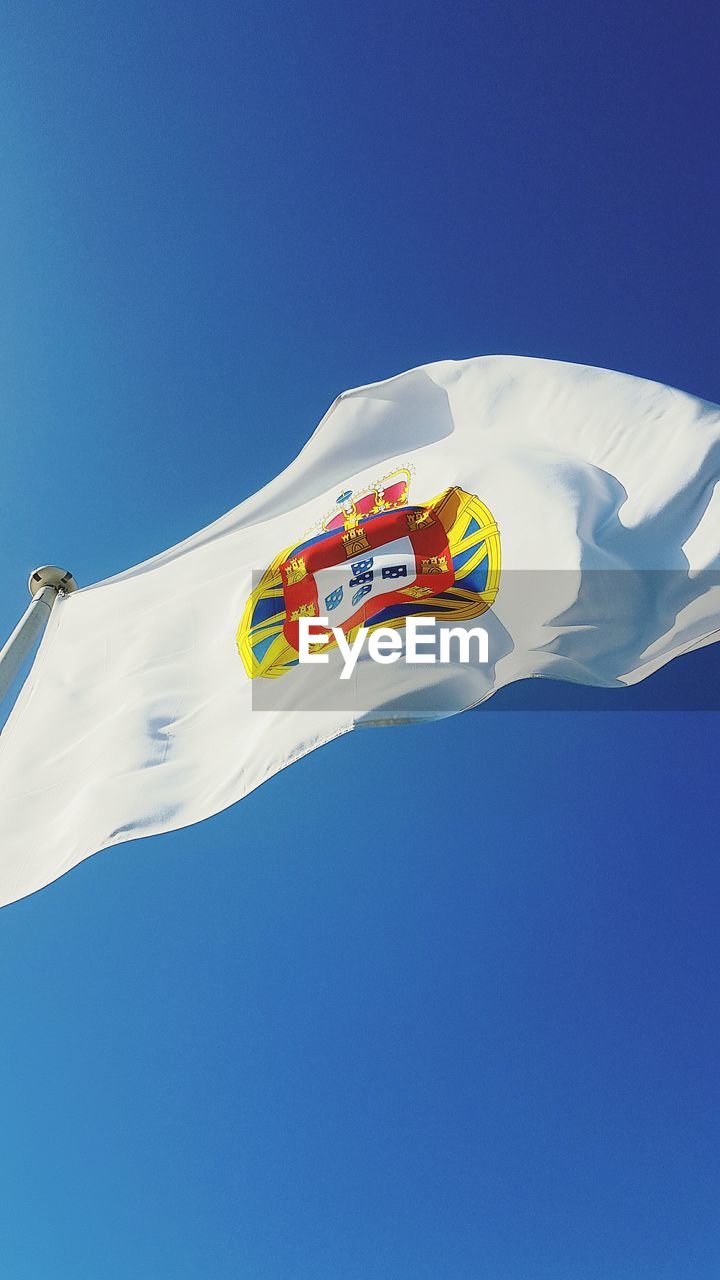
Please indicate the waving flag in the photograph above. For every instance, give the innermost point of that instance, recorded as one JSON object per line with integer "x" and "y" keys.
{"x": 575, "y": 512}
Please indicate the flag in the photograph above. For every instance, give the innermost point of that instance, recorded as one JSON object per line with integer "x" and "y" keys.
{"x": 570, "y": 513}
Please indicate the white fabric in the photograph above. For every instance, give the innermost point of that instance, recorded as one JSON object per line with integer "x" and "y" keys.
{"x": 137, "y": 717}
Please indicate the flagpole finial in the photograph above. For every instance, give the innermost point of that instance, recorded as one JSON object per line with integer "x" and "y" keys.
{"x": 48, "y": 575}
{"x": 46, "y": 585}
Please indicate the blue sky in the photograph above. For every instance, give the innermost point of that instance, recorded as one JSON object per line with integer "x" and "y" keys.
{"x": 474, "y": 1034}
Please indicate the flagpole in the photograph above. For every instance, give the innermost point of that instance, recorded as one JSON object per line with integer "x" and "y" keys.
{"x": 45, "y": 585}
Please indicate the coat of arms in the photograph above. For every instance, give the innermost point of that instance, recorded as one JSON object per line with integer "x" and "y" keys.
{"x": 375, "y": 561}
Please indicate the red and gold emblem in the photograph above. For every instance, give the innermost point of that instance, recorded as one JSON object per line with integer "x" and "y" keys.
{"x": 376, "y": 561}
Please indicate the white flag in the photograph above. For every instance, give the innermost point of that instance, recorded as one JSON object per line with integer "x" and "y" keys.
{"x": 573, "y": 512}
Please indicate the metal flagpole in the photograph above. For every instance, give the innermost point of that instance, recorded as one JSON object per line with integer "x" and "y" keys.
{"x": 45, "y": 585}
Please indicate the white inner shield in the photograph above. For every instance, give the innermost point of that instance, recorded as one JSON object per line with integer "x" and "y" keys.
{"x": 343, "y": 588}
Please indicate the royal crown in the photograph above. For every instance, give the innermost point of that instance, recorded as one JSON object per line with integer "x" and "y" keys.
{"x": 385, "y": 495}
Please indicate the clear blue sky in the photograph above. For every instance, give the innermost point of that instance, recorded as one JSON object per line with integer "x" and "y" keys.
{"x": 476, "y": 1036}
